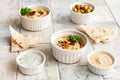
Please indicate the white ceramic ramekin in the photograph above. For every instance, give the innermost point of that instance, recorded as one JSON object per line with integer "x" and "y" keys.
{"x": 27, "y": 69}
{"x": 100, "y": 70}
{"x": 36, "y": 24}
{"x": 83, "y": 18}
{"x": 67, "y": 56}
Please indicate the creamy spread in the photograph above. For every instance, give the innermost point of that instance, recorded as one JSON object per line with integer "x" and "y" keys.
{"x": 37, "y": 12}
{"x": 31, "y": 59}
{"x": 63, "y": 42}
{"x": 101, "y": 59}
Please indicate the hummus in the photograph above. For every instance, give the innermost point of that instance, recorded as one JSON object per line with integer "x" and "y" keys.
{"x": 101, "y": 59}
{"x": 63, "y": 42}
{"x": 37, "y": 13}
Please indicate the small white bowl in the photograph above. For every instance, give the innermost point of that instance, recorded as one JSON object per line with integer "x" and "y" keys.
{"x": 100, "y": 70}
{"x": 83, "y": 18}
{"x": 31, "y": 70}
{"x": 68, "y": 56}
{"x": 36, "y": 24}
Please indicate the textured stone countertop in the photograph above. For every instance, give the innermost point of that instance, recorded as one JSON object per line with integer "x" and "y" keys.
{"x": 107, "y": 16}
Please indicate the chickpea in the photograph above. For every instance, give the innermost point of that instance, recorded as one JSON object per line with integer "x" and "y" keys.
{"x": 75, "y": 9}
{"x": 85, "y": 11}
{"x": 82, "y": 8}
{"x": 77, "y": 6}
{"x": 90, "y": 8}
{"x": 82, "y": 11}
{"x": 79, "y": 11}
{"x": 85, "y": 7}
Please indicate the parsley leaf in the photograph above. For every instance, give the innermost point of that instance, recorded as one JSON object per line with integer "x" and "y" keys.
{"x": 75, "y": 38}
{"x": 25, "y": 11}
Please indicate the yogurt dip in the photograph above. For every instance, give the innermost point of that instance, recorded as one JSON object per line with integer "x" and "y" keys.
{"x": 31, "y": 59}
{"x": 101, "y": 59}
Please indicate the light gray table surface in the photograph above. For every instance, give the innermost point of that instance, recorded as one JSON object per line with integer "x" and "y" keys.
{"x": 107, "y": 15}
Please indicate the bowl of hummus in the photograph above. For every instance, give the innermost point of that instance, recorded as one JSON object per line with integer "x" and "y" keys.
{"x": 67, "y": 45}
{"x": 100, "y": 62}
{"x": 35, "y": 17}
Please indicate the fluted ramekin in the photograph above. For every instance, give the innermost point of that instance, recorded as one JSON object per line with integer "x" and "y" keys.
{"x": 100, "y": 70}
{"x": 82, "y": 18}
{"x": 68, "y": 56}
{"x": 29, "y": 70}
{"x": 36, "y": 24}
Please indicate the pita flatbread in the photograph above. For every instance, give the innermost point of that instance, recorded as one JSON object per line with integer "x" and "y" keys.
{"x": 98, "y": 34}
{"x": 15, "y": 35}
{"x": 20, "y": 42}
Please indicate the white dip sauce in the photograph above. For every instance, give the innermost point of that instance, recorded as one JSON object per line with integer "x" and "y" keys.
{"x": 31, "y": 59}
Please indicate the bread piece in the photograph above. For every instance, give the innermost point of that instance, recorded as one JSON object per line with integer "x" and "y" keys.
{"x": 98, "y": 34}
{"x": 15, "y": 35}
{"x": 15, "y": 47}
{"x": 20, "y": 42}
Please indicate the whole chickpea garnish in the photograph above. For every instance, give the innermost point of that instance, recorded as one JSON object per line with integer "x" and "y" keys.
{"x": 82, "y": 8}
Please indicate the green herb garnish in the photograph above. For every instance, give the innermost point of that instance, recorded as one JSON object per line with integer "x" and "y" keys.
{"x": 25, "y": 11}
{"x": 75, "y": 38}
